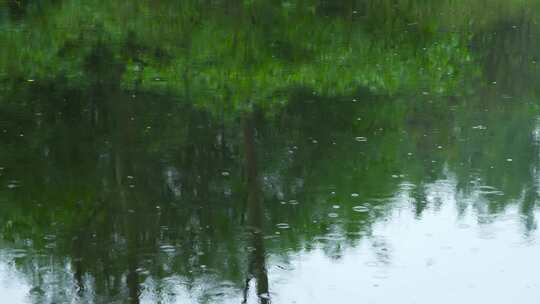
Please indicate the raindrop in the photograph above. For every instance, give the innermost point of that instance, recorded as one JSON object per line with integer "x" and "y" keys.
{"x": 283, "y": 226}
{"x": 509, "y": 159}
{"x": 361, "y": 209}
{"x": 167, "y": 248}
{"x": 332, "y": 214}
{"x": 361, "y": 139}
{"x": 13, "y": 184}
{"x": 225, "y": 173}
{"x": 336, "y": 206}
{"x": 355, "y": 195}
{"x": 265, "y": 296}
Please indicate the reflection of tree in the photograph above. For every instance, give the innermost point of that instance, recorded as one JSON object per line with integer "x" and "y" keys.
{"x": 91, "y": 135}
{"x": 255, "y": 214}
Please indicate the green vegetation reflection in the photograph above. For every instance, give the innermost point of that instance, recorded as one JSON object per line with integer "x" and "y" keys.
{"x": 159, "y": 144}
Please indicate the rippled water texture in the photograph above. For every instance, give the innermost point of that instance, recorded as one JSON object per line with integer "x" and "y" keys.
{"x": 303, "y": 151}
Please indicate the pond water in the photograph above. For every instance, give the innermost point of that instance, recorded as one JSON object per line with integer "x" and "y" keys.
{"x": 301, "y": 151}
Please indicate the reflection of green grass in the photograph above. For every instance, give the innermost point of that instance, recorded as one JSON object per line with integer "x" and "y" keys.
{"x": 233, "y": 60}
{"x": 86, "y": 52}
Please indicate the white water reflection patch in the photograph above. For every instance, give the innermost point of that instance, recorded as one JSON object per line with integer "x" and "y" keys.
{"x": 455, "y": 262}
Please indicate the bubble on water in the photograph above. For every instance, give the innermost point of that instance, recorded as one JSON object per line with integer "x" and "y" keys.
{"x": 410, "y": 154}
{"x": 283, "y": 226}
{"x": 336, "y": 206}
{"x": 361, "y": 209}
{"x": 314, "y": 141}
{"x": 225, "y": 173}
{"x": 283, "y": 202}
{"x": 479, "y": 127}
{"x": 30, "y": 80}
{"x": 509, "y": 159}
{"x": 355, "y": 195}
{"x": 439, "y": 147}
{"x": 293, "y": 202}
{"x": 333, "y": 214}
{"x": 361, "y": 139}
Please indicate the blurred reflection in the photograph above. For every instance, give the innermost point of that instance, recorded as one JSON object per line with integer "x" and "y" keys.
{"x": 341, "y": 144}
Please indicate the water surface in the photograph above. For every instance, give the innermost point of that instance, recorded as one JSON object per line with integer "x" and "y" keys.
{"x": 254, "y": 152}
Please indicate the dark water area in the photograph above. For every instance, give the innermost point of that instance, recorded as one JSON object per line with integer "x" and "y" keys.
{"x": 301, "y": 151}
